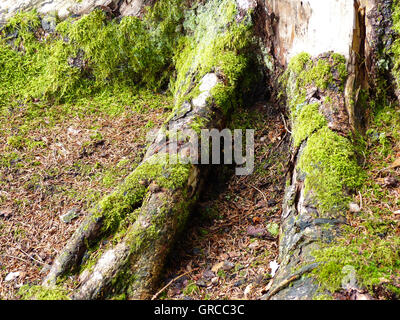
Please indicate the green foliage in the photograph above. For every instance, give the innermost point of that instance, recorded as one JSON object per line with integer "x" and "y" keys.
{"x": 331, "y": 167}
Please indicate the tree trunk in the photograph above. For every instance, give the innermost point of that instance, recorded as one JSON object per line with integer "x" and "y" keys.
{"x": 358, "y": 36}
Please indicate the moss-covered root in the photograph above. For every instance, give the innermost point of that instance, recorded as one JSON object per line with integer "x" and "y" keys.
{"x": 325, "y": 169}
{"x": 133, "y": 266}
{"x": 107, "y": 217}
{"x": 72, "y": 253}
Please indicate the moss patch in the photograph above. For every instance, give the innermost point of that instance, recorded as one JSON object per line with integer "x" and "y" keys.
{"x": 215, "y": 42}
{"x": 41, "y": 293}
{"x": 85, "y": 54}
{"x": 129, "y": 195}
{"x": 308, "y": 121}
{"x": 370, "y": 242}
{"x": 328, "y": 72}
{"x": 330, "y": 165}
{"x": 396, "y": 45}
{"x": 328, "y": 159}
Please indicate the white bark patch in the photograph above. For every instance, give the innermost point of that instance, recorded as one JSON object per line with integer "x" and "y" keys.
{"x": 201, "y": 100}
{"x": 107, "y": 259}
{"x": 313, "y": 26}
{"x": 208, "y": 82}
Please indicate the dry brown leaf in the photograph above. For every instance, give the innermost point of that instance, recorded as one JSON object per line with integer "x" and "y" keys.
{"x": 395, "y": 164}
{"x": 217, "y": 266}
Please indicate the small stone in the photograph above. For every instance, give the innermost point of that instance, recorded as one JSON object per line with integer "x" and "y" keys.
{"x": 214, "y": 280}
{"x": 208, "y": 274}
{"x": 12, "y": 276}
{"x": 70, "y": 215}
{"x": 228, "y": 265}
{"x": 201, "y": 283}
{"x": 390, "y": 182}
{"x": 255, "y": 232}
{"x": 354, "y": 207}
{"x": 240, "y": 282}
{"x": 274, "y": 267}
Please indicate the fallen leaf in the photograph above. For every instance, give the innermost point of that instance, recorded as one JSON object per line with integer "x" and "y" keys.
{"x": 255, "y": 232}
{"x": 274, "y": 267}
{"x": 217, "y": 266}
{"x": 247, "y": 290}
{"x": 12, "y": 276}
{"x": 395, "y": 164}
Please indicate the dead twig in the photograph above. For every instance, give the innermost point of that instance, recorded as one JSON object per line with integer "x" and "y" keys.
{"x": 262, "y": 193}
{"x": 284, "y": 123}
{"x": 171, "y": 282}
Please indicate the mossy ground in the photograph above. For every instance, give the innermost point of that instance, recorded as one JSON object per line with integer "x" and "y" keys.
{"x": 370, "y": 243}
{"x": 63, "y": 151}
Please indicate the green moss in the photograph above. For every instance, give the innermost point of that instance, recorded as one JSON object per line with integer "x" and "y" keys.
{"x": 129, "y": 195}
{"x": 371, "y": 248}
{"x": 303, "y": 71}
{"x": 86, "y": 54}
{"x": 331, "y": 169}
{"x": 191, "y": 288}
{"x": 300, "y": 62}
{"x": 328, "y": 159}
{"x": 41, "y": 293}
{"x": 395, "y": 48}
{"x": 373, "y": 259}
{"x": 215, "y": 43}
{"x": 308, "y": 121}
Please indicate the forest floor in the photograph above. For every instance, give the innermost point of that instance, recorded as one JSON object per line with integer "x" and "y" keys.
{"x": 229, "y": 244}
{"x": 69, "y": 156}
{"x": 57, "y": 160}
